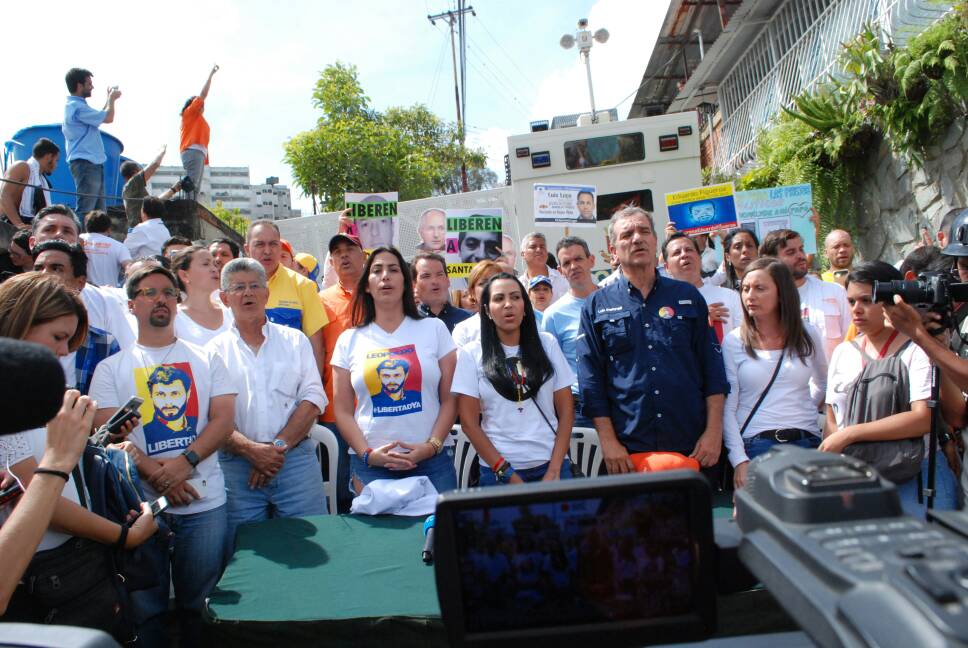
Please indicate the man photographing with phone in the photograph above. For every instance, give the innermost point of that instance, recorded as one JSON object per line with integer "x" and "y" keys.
{"x": 187, "y": 413}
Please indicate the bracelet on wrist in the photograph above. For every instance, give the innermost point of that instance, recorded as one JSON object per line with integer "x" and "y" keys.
{"x": 437, "y": 444}
{"x": 50, "y": 471}
{"x": 124, "y": 536}
{"x": 366, "y": 457}
{"x": 497, "y": 464}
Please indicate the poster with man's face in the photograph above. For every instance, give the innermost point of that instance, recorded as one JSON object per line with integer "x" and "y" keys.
{"x": 393, "y": 379}
{"x": 565, "y": 205}
{"x": 375, "y": 218}
{"x": 473, "y": 235}
{"x": 432, "y": 229}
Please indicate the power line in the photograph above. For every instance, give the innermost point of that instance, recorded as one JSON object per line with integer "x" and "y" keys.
{"x": 488, "y": 74}
{"x": 440, "y": 59}
{"x": 506, "y": 55}
{"x": 505, "y": 77}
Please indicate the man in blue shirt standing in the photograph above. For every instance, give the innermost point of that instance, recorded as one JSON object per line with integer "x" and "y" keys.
{"x": 650, "y": 371}
{"x": 85, "y": 150}
{"x": 563, "y": 318}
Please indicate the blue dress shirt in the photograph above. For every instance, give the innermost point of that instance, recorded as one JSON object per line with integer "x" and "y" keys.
{"x": 81, "y": 132}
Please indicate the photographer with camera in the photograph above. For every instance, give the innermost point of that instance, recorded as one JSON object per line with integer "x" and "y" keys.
{"x": 941, "y": 331}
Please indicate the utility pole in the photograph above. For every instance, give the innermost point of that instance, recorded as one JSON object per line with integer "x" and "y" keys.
{"x": 452, "y": 18}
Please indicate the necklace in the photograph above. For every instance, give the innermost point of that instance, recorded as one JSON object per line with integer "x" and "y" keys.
{"x": 144, "y": 357}
{"x": 517, "y": 375}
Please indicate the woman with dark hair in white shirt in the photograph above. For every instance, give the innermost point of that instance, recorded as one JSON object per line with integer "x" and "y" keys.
{"x": 776, "y": 368}
{"x": 519, "y": 381}
{"x": 200, "y": 318}
{"x": 397, "y": 367}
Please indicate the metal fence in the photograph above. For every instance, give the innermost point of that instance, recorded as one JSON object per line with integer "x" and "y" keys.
{"x": 798, "y": 48}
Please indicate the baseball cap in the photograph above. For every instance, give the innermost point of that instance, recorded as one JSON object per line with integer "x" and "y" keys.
{"x": 344, "y": 238}
{"x": 309, "y": 262}
{"x": 540, "y": 279}
{"x": 287, "y": 246}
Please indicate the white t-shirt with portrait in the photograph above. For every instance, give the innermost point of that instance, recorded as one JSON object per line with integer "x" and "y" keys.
{"x": 186, "y": 377}
{"x": 396, "y": 377}
{"x": 847, "y": 362}
{"x": 517, "y": 429}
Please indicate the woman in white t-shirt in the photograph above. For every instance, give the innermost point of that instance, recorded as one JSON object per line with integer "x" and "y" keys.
{"x": 200, "y": 318}
{"x": 740, "y": 249}
{"x": 37, "y": 308}
{"x": 398, "y": 369}
{"x": 772, "y": 344}
{"x": 878, "y": 339}
{"x": 518, "y": 380}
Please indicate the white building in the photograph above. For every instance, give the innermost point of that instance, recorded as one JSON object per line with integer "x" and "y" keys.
{"x": 231, "y": 187}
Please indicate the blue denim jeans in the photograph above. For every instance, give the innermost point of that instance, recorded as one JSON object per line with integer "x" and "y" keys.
{"x": 344, "y": 492}
{"x": 755, "y": 447}
{"x": 439, "y": 469}
{"x": 295, "y": 491}
{"x": 488, "y": 478}
{"x": 88, "y": 179}
{"x": 945, "y": 489}
{"x": 193, "y": 563}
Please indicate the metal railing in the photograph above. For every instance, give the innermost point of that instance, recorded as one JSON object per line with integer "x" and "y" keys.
{"x": 779, "y": 65}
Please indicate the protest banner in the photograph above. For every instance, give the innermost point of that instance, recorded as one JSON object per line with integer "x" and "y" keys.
{"x": 787, "y": 207}
{"x": 565, "y": 205}
{"x": 374, "y": 217}
{"x": 472, "y": 235}
{"x": 703, "y": 209}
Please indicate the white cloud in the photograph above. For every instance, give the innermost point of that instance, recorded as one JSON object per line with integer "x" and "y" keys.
{"x": 617, "y": 65}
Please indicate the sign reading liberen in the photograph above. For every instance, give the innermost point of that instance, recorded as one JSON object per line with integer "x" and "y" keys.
{"x": 473, "y": 235}
{"x": 565, "y": 205}
{"x": 374, "y": 217}
{"x": 703, "y": 209}
{"x": 787, "y": 207}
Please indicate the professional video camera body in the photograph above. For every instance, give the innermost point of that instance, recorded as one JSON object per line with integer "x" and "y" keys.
{"x": 631, "y": 559}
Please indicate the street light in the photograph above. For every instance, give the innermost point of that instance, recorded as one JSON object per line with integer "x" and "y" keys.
{"x": 583, "y": 38}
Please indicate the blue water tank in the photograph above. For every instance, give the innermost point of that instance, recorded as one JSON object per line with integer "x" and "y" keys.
{"x": 20, "y": 145}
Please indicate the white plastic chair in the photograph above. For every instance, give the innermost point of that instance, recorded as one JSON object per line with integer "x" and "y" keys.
{"x": 464, "y": 455}
{"x": 325, "y": 436}
{"x": 585, "y": 451}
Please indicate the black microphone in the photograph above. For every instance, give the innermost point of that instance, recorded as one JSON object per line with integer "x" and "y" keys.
{"x": 428, "y": 549}
{"x": 31, "y": 384}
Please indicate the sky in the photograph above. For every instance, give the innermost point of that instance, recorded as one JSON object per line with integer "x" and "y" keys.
{"x": 270, "y": 56}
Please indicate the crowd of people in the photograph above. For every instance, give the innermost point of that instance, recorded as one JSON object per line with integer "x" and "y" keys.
{"x": 234, "y": 353}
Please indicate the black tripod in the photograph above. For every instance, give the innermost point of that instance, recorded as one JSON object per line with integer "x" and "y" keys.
{"x": 934, "y": 403}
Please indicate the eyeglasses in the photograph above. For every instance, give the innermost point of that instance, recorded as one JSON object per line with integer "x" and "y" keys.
{"x": 151, "y": 293}
{"x": 239, "y": 288}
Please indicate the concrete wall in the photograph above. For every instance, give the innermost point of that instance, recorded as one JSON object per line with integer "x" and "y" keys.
{"x": 897, "y": 199}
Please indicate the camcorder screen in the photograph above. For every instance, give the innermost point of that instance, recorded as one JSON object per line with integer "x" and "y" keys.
{"x": 598, "y": 560}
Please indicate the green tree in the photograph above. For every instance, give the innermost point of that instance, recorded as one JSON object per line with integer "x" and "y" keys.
{"x": 231, "y": 217}
{"x": 356, "y": 148}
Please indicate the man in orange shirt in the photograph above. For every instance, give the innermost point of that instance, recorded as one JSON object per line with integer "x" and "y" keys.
{"x": 347, "y": 258}
{"x": 195, "y": 134}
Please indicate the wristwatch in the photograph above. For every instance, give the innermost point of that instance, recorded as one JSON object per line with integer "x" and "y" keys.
{"x": 192, "y": 457}
{"x": 279, "y": 443}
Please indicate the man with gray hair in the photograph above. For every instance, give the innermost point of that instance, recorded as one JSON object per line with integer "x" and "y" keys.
{"x": 432, "y": 230}
{"x": 650, "y": 371}
{"x": 534, "y": 251}
{"x": 270, "y": 466}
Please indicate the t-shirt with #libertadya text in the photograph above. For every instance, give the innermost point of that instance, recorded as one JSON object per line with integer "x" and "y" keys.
{"x": 396, "y": 378}
{"x": 183, "y": 378}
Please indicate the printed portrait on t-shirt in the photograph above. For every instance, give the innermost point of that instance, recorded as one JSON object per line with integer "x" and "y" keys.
{"x": 393, "y": 380}
{"x": 169, "y": 413}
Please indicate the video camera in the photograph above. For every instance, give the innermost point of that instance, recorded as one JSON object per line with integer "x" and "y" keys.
{"x": 931, "y": 291}
{"x": 632, "y": 559}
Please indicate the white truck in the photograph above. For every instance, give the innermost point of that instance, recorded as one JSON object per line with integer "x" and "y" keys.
{"x": 636, "y": 161}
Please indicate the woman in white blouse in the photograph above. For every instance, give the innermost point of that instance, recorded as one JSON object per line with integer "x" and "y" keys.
{"x": 519, "y": 380}
{"x": 776, "y": 369}
{"x": 397, "y": 367}
{"x": 200, "y": 318}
